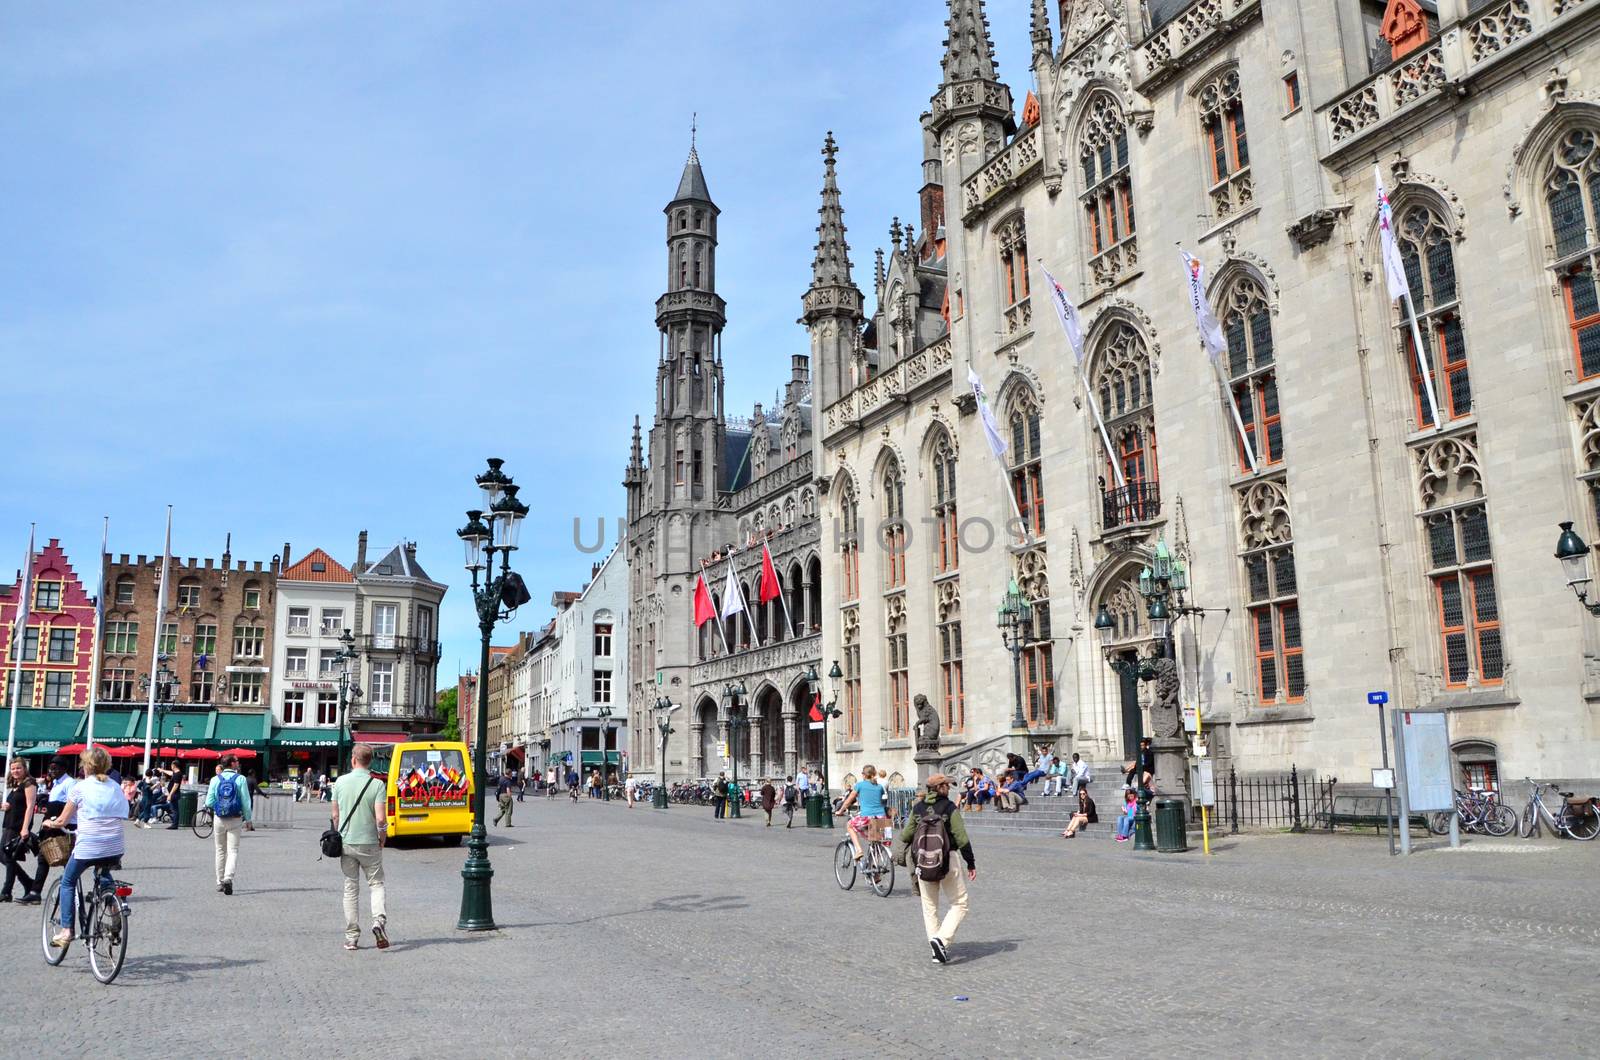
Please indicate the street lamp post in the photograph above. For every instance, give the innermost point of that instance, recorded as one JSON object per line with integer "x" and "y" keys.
{"x": 736, "y": 723}
{"x": 1015, "y": 620}
{"x": 497, "y": 598}
{"x": 604, "y": 712}
{"x": 829, "y": 712}
{"x": 347, "y": 692}
{"x": 664, "y": 729}
{"x": 1574, "y": 557}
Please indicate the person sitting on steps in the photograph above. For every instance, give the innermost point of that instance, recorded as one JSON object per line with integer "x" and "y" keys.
{"x": 1085, "y": 814}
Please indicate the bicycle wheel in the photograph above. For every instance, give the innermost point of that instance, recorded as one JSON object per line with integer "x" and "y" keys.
{"x": 203, "y": 823}
{"x": 882, "y": 875}
{"x": 51, "y": 923}
{"x": 1501, "y": 820}
{"x": 1586, "y": 826}
{"x": 108, "y": 937}
{"x": 1529, "y": 822}
{"x": 844, "y": 864}
{"x": 1439, "y": 823}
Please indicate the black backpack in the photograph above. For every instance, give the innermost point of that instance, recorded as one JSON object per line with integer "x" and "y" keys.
{"x": 930, "y": 845}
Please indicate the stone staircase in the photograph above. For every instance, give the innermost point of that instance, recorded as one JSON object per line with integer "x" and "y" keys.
{"x": 1045, "y": 816}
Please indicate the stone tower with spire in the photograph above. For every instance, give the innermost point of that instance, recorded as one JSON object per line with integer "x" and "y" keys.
{"x": 832, "y": 304}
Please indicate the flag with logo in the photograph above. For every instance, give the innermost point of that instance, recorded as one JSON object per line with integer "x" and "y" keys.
{"x": 1071, "y": 323}
{"x": 991, "y": 429}
{"x": 1204, "y": 319}
{"x": 1394, "y": 268}
{"x": 704, "y": 609}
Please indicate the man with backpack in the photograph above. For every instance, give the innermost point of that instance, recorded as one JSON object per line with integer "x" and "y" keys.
{"x": 791, "y": 799}
{"x": 932, "y": 833}
{"x": 228, "y": 799}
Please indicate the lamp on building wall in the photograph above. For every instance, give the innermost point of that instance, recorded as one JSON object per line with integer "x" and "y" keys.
{"x": 1015, "y": 620}
{"x": 489, "y": 594}
{"x": 1574, "y": 557}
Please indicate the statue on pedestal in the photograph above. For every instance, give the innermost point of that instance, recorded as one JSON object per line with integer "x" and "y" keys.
{"x": 927, "y": 724}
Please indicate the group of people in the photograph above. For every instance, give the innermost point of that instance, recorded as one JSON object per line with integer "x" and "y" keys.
{"x": 791, "y": 797}
{"x": 1008, "y": 791}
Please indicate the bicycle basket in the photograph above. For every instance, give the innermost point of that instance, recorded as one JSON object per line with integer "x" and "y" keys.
{"x": 56, "y": 850}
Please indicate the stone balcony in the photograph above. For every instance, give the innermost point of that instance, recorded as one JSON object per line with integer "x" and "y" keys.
{"x": 767, "y": 659}
{"x": 1001, "y": 174}
{"x": 893, "y": 385}
{"x": 1196, "y": 31}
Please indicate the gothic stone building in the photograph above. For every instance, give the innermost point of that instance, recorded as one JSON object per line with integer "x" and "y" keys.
{"x": 1376, "y": 544}
{"x": 704, "y": 496}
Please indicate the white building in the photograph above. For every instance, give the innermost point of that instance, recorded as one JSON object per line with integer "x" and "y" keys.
{"x": 589, "y": 669}
{"x": 397, "y": 633}
{"x": 315, "y": 605}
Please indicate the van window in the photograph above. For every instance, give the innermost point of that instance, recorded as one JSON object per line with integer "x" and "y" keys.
{"x": 431, "y": 778}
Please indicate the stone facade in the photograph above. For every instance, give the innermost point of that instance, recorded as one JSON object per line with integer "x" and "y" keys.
{"x": 397, "y": 634}
{"x": 704, "y": 494}
{"x": 1366, "y": 549}
{"x": 316, "y": 604}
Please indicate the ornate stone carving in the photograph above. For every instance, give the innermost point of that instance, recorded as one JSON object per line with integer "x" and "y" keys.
{"x": 1448, "y": 470}
{"x": 1353, "y": 113}
{"x": 1166, "y": 716}
{"x": 1417, "y": 76}
{"x": 1032, "y": 571}
{"x": 1264, "y": 515}
{"x": 948, "y": 599}
{"x": 1498, "y": 28}
{"x": 1587, "y": 411}
{"x": 1313, "y": 229}
{"x": 894, "y": 613}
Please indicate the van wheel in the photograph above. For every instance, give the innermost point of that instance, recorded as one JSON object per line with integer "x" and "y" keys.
{"x": 452, "y": 840}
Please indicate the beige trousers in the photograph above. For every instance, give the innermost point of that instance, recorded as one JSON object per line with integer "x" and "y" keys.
{"x": 367, "y": 859}
{"x": 226, "y": 839}
{"x": 953, "y": 888}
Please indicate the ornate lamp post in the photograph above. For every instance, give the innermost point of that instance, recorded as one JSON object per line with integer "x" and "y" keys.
{"x": 737, "y": 723}
{"x": 347, "y": 691}
{"x": 1574, "y": 557}
{"x": 603, "y": 710}
{"x": 496, "y": 598}
{"x": 664, "y": 729}
{"x": 829, "y": 712}
{"x": 1015, "y": 620}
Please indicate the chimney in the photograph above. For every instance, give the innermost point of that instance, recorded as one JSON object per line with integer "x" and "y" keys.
{"x": 285, "y": 556}
{"x": 411, "y": 549}
{"x": 594, "y": 572}
{"x": 209, "y": 562}
{"x": 361, "y": 553}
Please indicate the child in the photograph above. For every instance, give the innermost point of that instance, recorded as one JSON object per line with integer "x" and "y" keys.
{"x": 1130, "y": 806}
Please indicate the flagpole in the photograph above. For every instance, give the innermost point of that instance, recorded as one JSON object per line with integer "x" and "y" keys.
{"x": 1105, "y": 436}
{"x": 1422, "y": 362}
{"x": 721, "y": 633}
{"x": 19, "y": 628}
{"x": 744, "y": 601}
{"x": 997, "y": 447}
{"x": 1072, "y": 327}
{"x": 1238, "y": 421}
{"x": 155, "y": 646}
{"x": 99, "y": 620}
{"x": 783, "y": 597}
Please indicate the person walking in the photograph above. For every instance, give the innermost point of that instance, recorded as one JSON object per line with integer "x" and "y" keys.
{"x": 932, "y": 833}
{"x": 174, "y": 785}
{"x": 769, "y": 799}
{"x": 16, "y": 825}
{"x": 791, "y": 799}
{"x": 357, "y": 812}
{"x": 503, "y": 796}
{"x": 522, "y": 785}
{"x": 228, "y": 799}
{"x": 52, "y": 791}
{"x": 719, "y": 796}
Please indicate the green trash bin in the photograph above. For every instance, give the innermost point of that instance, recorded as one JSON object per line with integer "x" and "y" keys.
{"x": 1171, "y": 834}
{"x": 188, "y": 799}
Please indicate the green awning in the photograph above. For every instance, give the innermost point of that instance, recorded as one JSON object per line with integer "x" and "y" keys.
{"x": 250, "y": 730}
{"x": 179, "y": 728}
{"x": 592, "y": 758}
{"x": 303, "y": 738}
{"x": 40, "y": 730}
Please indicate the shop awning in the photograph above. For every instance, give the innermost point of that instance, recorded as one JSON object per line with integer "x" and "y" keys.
{"x": 40, "y": 730}
{"x": 249, "y": 731}
{"x": 592, "y": 758}
{"x": 304, "y": 738}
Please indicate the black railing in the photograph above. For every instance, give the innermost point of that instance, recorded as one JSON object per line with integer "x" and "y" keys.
{"x": 1135, "y": 503}
{"x": 420, "y": 645}
{"x": 1295, "y": 800}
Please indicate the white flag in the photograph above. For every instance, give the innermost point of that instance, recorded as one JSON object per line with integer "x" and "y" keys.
{"x": 991, "y": 429}
{"x": 732, "y": 598}
{"x": 1394, "y": 269}
{"x": 1204, "y": 319}
{"x": 1071, "y": 323}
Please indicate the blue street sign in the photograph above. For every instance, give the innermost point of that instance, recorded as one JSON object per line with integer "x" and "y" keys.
{"x": 1377, "y": 699}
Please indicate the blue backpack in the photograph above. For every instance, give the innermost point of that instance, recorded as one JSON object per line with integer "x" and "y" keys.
{"x": 229, "y": 803}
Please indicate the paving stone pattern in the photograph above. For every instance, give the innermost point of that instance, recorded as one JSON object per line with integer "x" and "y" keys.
{"x": 672, "y": 935}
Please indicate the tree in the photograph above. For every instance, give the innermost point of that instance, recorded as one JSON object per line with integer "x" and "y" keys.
{"x": 449, "y": 723}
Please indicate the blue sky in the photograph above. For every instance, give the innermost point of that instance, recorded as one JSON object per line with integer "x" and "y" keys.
{"x": 296, "y": 269}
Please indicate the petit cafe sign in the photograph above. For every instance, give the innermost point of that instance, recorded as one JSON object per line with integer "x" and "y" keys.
{"x": 314, "y": 686}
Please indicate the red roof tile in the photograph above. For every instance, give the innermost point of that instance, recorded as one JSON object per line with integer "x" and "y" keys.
{"x": 332, "y": 570}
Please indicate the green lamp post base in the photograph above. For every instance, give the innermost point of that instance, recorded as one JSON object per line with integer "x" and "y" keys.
{"x": 477, "y": 901}
{"x": 1143, "y": 838}
{"x": 658, "y": 798}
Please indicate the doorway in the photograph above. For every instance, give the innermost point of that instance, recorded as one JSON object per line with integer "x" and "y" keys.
{"x": 1132, "y": 717}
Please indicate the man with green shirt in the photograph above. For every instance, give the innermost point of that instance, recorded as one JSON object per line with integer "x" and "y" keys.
{"x": 358, "y": 814}
{"x": 935, "y": 874}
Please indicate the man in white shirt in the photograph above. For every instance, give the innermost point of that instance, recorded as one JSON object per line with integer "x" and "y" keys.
{"x": 802, "y": 780}
{"x": 1080, "y": 776}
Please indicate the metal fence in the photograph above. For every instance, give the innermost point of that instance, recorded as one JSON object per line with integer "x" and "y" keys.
{"x": 1295, "y": 800}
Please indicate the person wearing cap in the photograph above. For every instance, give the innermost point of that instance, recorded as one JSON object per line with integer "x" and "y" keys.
{"x": 952, "y": 886}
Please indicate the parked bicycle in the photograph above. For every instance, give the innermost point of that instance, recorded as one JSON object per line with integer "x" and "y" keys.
{"x": 1578, "y": 818}
{"x": 1479, "y": 811}
{"x": 101, "y": 918}
{"x": 876, "y": 865}
{"x": 203, "y": 821}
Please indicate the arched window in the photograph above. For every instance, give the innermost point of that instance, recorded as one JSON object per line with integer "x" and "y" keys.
{"x": 814, "y": 593}
{"x": 1107, "y": 188}
{"x": 1027, "y": 481}
{"x": 894, "y": 526}
{"x": 125, "y": 589}
{"x": 683, "y": 266}
{"x": 1122, "y": 381}
{"x": 1572, "y": 192}
{"x": 1014, "y": 259}
{"x": 1427, "y": 249}
{"x": 850, "y": 544}
{"x": 1247, "y": 322}
{"x": 1227, "y": 152}
{"x": 699, "y": 263}
{"x": 947, "y": 554}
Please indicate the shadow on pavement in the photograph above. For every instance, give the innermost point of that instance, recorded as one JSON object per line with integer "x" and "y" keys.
{"x": 976, "y": 951}
{"x": 168, "y": 968}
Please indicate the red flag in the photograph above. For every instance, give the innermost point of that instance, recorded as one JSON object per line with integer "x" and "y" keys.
{"x": 816, "y": 708}
{"x": 769, "y": 589}
{"x": 704, "y": 609}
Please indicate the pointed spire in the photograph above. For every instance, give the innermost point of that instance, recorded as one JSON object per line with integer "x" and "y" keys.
{"x": 832, "y": 263}
{"x": 636, "y": 460}
{"x": 879, "y": 275}
{"x": 969, "y": 53}
{"x": 1039, "y": 28}
{"x": 692, "y": 185}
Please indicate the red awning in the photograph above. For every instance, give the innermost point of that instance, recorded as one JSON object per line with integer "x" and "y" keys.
{"x": 383, "y": 737}
{"x": 126, "y": 752}
{"x": 519, "y": 753}
{"x": 73, "y": 749}
{"x": 205, "y": 753}
{"x": 240, "y": 752}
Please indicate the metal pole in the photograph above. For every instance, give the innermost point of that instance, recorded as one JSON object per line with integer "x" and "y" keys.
{"x": 1400, "y": 782}
{"x": 477, "y": 904}
{"x": 1388, "y": 795}
{"x": 1018, "y": 720}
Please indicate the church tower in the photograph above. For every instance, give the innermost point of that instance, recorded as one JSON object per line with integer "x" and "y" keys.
{"x": 832, "y": 303}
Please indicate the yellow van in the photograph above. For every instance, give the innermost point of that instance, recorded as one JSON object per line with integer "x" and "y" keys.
{"x": 430, "y": 788}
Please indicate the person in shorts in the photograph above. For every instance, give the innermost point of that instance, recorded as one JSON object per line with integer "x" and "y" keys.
{"x": 867, "y": 798}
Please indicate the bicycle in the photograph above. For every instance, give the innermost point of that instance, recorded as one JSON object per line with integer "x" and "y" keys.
{"x": 1575, "y": 821}
{"x": 877, "y": 865}
{"x": 204, "y": 821}
{"x": 102, "y": 921}
{"x": 1479, "y": 811}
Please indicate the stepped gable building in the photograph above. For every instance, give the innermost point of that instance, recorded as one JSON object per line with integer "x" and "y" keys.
{"x": 57, "y": 640}
{"x": 705, "y": 490}
{"x": 1395, "y": 528}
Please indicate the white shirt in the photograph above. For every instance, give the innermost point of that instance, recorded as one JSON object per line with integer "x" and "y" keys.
{"x": 58, "y": 790}
{"x": 1080, "y": 768}
{"x": 802, "y": 782}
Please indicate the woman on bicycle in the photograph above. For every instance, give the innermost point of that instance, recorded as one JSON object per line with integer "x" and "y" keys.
{"x": 100, "y": 808}
{"x": 867, "y": 796}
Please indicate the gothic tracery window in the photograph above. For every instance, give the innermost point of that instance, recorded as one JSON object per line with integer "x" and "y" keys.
{"x": 1272, "y": 594}
{"x": 1427, "y": 248}
{"x": 1122, "y": 382}
{"x": 1572, "y": 194}
{"x": 947, "y": 553}
{"x": 850, "y": 543}
{"x": 1227, "y": 150}
{"x": 1014, "y": 260}
{"x": 1460, "y": 565}
{"x": 1027, "y": 480}
{"x": 1252, "y": 371}
{"x": 1107, "y": 189}
{"x": 894, "y": 525}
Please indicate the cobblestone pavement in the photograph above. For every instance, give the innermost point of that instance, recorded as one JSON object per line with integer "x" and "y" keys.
{"x": 638, "y": 933}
